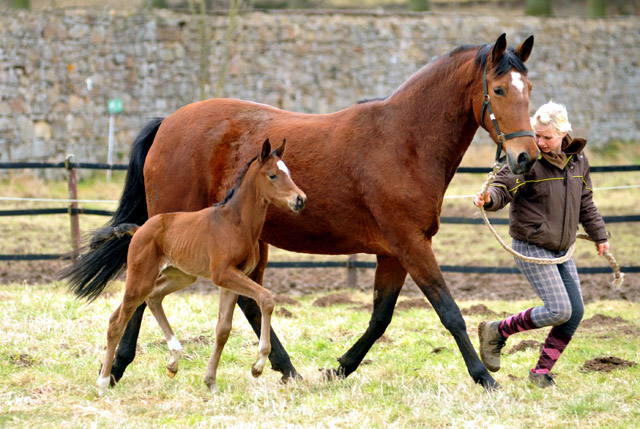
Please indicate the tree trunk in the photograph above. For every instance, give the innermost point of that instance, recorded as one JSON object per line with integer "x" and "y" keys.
{"x": 538, "y": 7}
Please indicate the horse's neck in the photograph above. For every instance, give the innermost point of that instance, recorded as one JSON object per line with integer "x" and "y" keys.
{"x": 436, "y": 107}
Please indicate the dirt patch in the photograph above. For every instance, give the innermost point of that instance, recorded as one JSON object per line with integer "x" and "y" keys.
{"x": 478, "y": 309}
{"x": 22, "y": 360}
{"x": 609, "y": 327}
{"x": 329, "y": 300}
{"x": 283, "y": 312}
{"x": 606, "y": 364}
{"x": 525, "y": 345}
{"x": 285, "y": 299}
{"x": 408, "y": 304}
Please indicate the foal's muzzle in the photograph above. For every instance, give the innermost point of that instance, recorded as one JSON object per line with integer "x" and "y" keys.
{"x": 298, "y": 202}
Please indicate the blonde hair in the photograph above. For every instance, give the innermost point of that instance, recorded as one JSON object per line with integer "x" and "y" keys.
{"x": 554, "y": 115}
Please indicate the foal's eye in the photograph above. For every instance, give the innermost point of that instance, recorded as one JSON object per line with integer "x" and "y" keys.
{"x": 499, "y": 91}
{"x": 272, "y": 176}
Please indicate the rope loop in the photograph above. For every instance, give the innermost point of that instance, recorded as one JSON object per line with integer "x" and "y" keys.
{"x": 618, "y": 277}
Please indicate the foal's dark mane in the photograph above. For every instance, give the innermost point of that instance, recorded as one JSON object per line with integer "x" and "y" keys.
{"x": 232, "y": 191}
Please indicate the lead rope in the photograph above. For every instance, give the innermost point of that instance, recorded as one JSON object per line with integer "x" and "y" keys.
{"x": 618, "y": 277}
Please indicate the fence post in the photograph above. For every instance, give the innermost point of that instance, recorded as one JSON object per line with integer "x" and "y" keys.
{"x": 73, "y": 206}
{"x": 352, "y": 273}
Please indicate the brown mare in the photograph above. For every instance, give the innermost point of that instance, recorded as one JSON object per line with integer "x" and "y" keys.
{"x": 375, "y": 174}
{"x": 219, "y": 242}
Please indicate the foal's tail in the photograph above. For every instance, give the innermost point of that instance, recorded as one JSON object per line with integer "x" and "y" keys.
{"x": 104, "y": 260}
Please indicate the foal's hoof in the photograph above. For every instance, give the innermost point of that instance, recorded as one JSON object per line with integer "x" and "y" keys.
{"x": 172, "y": 369}
{"x": 256, "y": 371}
{"x": 331, "y": 374}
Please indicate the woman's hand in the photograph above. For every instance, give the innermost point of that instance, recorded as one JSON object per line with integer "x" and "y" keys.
{"x": 602, "y": 247}
{"x": 479, "y": 201}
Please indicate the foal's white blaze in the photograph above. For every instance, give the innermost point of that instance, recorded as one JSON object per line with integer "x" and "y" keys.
{"x": 516, "y": 80}
{"x": 282, "y": 166}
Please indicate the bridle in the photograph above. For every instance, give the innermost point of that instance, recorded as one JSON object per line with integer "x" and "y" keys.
{"x": 486, "y": 103}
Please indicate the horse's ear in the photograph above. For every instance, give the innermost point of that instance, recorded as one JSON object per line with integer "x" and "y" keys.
{"x": 524, "y": 50}
{"x": 266, "y": 150}
{"x": 499, "y": 47}
{"x": 279, "y": 151}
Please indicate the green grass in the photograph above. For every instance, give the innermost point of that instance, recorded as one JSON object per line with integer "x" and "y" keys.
{"x": 52, "y": 346}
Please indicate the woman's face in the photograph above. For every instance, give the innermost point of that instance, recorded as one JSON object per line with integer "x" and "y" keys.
{"x": 547, "y": 139}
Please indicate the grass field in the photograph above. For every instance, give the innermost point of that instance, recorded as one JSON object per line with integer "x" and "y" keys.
{"x": 52, "y": 345}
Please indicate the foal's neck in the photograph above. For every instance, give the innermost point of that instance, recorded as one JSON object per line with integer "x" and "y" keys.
{"x": 248, "y": 205}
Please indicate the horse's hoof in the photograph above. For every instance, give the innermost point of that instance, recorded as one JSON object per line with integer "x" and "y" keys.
{"x": 213, "y": 387}
{"x": 256, "y": 371}
{"x": 490, "y": 385}
{"x": 331, "y": 374}
{"x": 172, "y": 368}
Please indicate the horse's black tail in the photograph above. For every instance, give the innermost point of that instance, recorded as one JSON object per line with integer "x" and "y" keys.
{"x": 93, "y": 270}
{"x": 108, "y": 233}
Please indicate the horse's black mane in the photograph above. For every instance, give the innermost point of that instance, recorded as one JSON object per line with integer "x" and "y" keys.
{"x": 507, "y": 62}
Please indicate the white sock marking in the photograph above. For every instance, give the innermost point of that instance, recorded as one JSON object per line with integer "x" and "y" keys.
{"x": 174, "y": 344}
{"x": 282, "y": 166}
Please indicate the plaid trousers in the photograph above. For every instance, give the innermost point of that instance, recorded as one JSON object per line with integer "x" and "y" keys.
{"x": 558, "y": 286}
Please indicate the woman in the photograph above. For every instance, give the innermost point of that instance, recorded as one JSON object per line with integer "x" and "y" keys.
{"x": 546, "y": 206}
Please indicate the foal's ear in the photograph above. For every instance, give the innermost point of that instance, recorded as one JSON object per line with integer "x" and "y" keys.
{"x": 499, "y": 47}
{"x": 279, "y": 151}
{"x": 524, "y": 50}
{"x": 266, "y": 151}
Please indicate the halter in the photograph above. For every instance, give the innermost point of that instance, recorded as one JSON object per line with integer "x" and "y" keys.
{"x": 487, "y": 104}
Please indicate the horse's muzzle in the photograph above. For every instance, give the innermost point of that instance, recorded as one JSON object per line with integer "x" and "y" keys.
{"x": 523, "y": 163}
{"x": 298, "y": 203}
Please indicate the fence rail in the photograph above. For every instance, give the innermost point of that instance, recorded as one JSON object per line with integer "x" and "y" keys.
{"x": 351, "y": 264}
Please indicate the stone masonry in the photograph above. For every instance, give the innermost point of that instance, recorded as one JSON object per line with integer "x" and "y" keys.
{"x": 59, "y": 68}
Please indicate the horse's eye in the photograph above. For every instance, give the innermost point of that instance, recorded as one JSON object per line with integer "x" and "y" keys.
{"x": 499, "y": 91}
{"x": 272, "y": 176}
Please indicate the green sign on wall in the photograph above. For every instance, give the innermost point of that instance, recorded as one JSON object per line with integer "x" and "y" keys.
{"x": 114, "y": 105}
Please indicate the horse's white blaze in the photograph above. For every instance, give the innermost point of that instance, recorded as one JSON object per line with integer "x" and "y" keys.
{"x": 174, "y": 345}
{"x": 516, "y": 80}
{"x": 282, "y": 166}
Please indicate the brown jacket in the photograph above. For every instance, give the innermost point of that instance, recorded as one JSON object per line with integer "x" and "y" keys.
{"x": 548, "y": 202}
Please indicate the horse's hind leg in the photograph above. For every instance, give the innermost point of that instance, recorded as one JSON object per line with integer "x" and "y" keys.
{"x": 227, "y": 304}
{"x": 389, "y": 279}
{"x": 126, "y": 351}
{"x": 170, "y": 280}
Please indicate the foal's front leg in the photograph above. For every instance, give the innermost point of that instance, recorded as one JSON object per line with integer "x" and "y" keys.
{"x": 233, "y": 279}
{"x": 223, "y": 329}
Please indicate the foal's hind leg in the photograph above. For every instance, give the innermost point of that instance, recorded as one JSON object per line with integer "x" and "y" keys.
{"x": 170, "y": 280}
{"x": 227, "y": 304}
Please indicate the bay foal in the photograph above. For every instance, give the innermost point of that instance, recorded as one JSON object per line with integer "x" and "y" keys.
{"x": 219, "y": 242}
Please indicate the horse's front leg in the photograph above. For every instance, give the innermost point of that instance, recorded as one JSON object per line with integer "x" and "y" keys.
{"x": 171, "y": 280}
{"x": 278, "y": 357}
{"x": 389, "y": 279}
{"x": 423, "y": 268}
{"x": 223, "y": 329}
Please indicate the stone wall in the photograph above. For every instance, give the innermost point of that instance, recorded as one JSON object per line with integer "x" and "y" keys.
{"x": 307, "y": 62}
